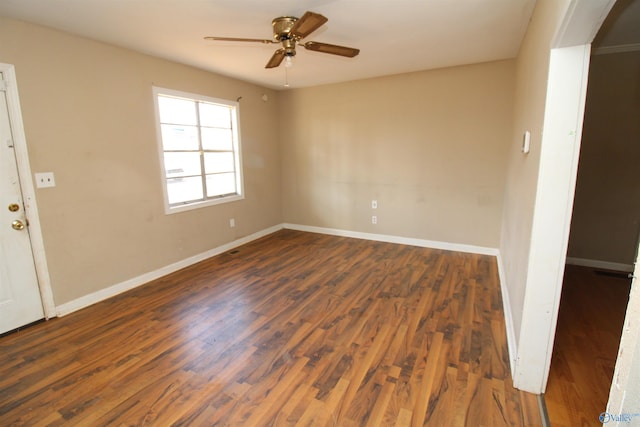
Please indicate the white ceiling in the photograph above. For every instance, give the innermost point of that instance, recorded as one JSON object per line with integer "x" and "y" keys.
{"x": 394, "y": 36}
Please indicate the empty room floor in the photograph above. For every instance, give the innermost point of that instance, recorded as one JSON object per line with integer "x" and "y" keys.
{"x": 590, "y": 321}
{"x": 291, "y": 329}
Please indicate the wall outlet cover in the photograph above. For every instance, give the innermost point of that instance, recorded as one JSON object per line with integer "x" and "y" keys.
{"x": 45, "y": 180}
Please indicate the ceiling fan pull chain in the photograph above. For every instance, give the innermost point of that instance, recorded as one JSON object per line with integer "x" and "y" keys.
{"x": 286, "y": 76}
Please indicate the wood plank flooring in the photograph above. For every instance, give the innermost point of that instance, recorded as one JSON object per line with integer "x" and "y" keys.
{"x": 292, "y": 329}
{"x": 590, "y": 322}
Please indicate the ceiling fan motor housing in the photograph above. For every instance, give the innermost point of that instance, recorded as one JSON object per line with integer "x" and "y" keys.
{"x": 282, "y": 32}
{"x": 282, "y": 27}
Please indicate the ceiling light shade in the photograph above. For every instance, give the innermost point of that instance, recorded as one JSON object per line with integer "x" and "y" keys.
{"x": 288, "y": 61}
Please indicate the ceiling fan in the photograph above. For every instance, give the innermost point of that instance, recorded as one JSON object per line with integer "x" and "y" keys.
{"x": 289, "y": 31}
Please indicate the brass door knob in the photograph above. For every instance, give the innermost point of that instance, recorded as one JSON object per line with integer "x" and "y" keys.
{"x": 14, "y": 207}
{"x": 17, "y": 225}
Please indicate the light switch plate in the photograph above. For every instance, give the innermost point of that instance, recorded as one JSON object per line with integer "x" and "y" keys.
{"x": 45, "y": 180}
{"x": 526, "y": 142}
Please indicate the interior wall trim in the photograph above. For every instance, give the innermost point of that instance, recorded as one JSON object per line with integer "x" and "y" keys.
{"x": 28, "y": 190}
{"x": 506, "y": 302}
{"x": 606, "y": 50}
{"x": 605, "y": 265}
{"x": 512, "y": 343}
{"x": 433, "y": 244}
{"x": 127, "y": 285}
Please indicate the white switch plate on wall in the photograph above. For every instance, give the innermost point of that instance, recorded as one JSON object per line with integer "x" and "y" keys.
{"x": 45, "y": 179}
{"x": 526, "y": 142}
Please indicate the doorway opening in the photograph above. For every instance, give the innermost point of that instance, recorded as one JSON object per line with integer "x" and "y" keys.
{"x": 604, "y": 230}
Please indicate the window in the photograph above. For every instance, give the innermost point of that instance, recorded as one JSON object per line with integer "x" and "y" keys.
{"x": 199, "y": 148}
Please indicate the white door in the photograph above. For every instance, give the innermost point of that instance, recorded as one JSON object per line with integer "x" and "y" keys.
{"x": 20, "y": 301}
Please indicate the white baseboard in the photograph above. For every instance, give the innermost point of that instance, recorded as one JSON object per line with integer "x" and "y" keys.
{"x": 111, "y": 291}
{"x": 127, "y": 285}
{"x": 512, "y": 344}
{"x": 506, "y": 302}
{"x": 605, "y": 265}
{"x": 457, "y": 247}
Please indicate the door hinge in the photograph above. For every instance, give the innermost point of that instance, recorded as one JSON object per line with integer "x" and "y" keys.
{"x": 9, "y": 142}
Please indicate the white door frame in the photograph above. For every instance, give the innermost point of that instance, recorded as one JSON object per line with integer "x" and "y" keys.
{"x": 564, "y": 112}
{"x": 560, "y": 151}
{"x": 28, "y": 192}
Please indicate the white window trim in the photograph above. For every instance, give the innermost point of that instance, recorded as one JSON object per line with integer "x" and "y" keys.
{"x": 168, "y": 209}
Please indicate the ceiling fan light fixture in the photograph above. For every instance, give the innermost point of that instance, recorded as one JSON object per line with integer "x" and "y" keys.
{"x": 289, "y": 31}
{"x": 288, "y": 61}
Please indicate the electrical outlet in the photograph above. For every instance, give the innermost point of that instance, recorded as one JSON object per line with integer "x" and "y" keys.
{"x": 374, "y": 219}
{"x": 45, "y": 179}
{"x": 232, "y": 223}
{"x": 374, "y": 204}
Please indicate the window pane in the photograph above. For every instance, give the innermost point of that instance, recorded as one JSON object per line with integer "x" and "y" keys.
{"x": 175, "y": 137}
{"x": 218, "y": 162}
{"x": 213, "y": 115}
{"x": 199, "y": 148}
{"x": 177, "y": 111}
{"x": 182, "y": 164}
{"x": 180, "y": 190}
{"x": 221, "y": 184}
{"x": 216, "y": 139}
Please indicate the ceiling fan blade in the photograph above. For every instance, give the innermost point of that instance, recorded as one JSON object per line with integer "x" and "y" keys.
{"x": 236, "y": 39}
{"x": 306, "y": 25}
{"x": 276, "y": 59}
{"x": 332, "y": 49}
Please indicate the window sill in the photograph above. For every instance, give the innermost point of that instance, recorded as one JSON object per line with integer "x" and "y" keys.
{"x": 197, "y": 205}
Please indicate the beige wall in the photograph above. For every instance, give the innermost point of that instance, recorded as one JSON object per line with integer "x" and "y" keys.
{"x": 532, "y": 69}
{"x": 88, "y": 114}
{"x": 606, "y": 212}
{"x": 430, "y": 147}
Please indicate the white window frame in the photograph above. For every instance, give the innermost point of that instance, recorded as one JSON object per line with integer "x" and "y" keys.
{"x": 235, "y": 118}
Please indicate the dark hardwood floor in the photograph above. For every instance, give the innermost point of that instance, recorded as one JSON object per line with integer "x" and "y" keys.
{"x": 590, "y": 321}
{"x": 292, "y": 329}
